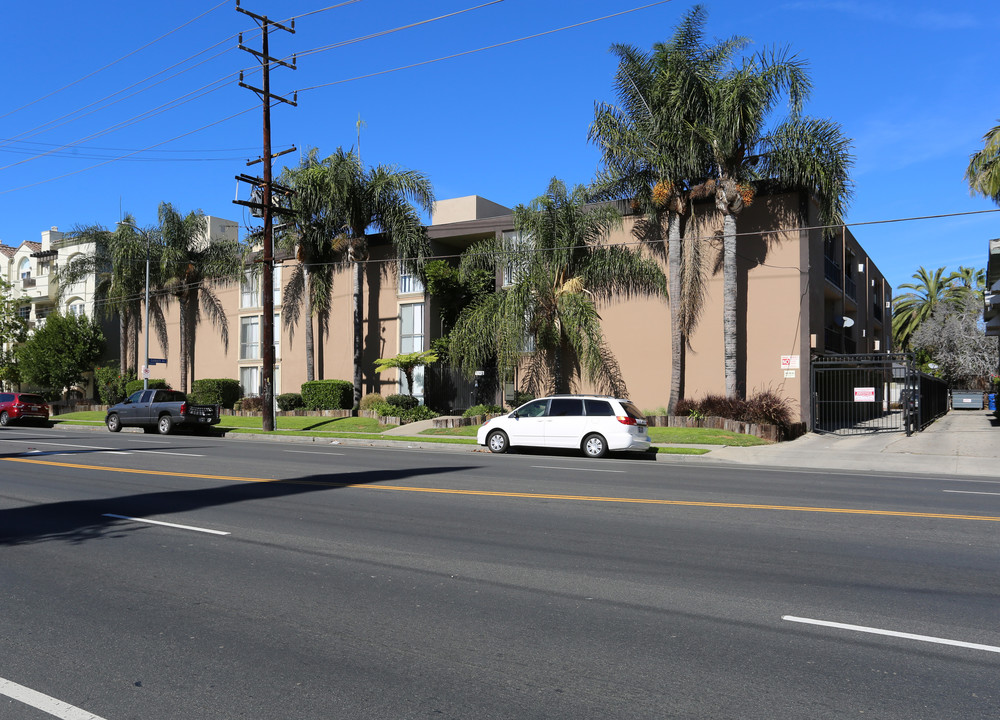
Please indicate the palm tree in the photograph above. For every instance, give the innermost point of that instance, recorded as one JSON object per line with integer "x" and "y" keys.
{"x": 558, "y": 270}
{"x": 314, "y": 225}
{"x": 966, "y": 286}
{"x": 983, "y": 172}
{"x": 118, "y": 264}
{"x": 911, "y": 309}
{"x": 800, "y": 154}
{"x": 653, "y": 158}
{"x": 190, "y": 264}
{"x": 380, "y": 198}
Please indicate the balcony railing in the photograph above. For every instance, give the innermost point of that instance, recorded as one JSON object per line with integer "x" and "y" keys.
{"x": 851, "y": 288}
{"x": 833, "y": 271}
{"x": 28, "y": 282}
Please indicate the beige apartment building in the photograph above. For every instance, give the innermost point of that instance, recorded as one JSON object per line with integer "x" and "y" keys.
{"x": 803, "y": 294}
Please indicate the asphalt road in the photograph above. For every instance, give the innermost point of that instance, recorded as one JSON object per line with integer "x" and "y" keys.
{"x": 325, "y": 581}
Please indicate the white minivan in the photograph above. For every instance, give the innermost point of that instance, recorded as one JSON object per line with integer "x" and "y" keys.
{"x": 594, "y": 424}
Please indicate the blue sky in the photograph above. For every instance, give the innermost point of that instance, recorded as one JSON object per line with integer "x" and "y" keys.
{"x": 913, "y": 83}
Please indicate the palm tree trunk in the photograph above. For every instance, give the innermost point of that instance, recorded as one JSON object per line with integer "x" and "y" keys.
{"x": 182, "y": 318}
{"x": 358, "y": 329}
{"x": 676, "y": 332}
{"x": 192, "y": 324}
{"x": 729, "y": 301}
{"x": 123, "y": 328}
{"x": 310, "y": 342}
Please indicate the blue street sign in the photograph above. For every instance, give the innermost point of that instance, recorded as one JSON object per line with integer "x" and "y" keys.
{"x": 157, "y": 361}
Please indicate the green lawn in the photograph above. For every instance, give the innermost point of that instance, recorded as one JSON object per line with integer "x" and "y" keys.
{"x": 369, "y": 429}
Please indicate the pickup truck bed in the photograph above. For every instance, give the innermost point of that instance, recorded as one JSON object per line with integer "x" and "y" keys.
{"x": 162, "y": 411}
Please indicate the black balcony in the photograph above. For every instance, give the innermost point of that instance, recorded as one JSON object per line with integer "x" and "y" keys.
{"x": 832, "y": 271}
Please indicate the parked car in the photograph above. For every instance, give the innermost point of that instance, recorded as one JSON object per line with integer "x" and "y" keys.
{"x": 23, "y": 407}
{"x": 594, "y": 424}
{"x": 160, "y": 410}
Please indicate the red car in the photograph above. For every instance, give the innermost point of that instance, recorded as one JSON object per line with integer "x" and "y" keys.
{"x": 23, "y": 407}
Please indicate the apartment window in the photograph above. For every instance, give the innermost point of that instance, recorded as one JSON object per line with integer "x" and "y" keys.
{"x": 276, "y": 333}
{"x": 250, "y": 380}
{"x": 409, "y": 283}
{"x": 24, "y": 269}
{"x": 250, "y": 288}
{"x": 75, "y": 308}
{"x": 514, "y": 265}
{"x": 411, "y": 339}
{"x": 24, "y": 312}
{"x": 250, "y": 338}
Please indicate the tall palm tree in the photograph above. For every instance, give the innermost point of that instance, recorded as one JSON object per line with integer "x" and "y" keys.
{"x": 653, "y": 158}
{"x": 800, "y": 154}
{"x": 911, "y": 309}
{"x": 983, "y": 172}
{"x": 379, "y": 199}
{"x": 118, "y": 264}
{"x": 313, "y": 226}
{"x": 966, "y": 286}
{"x": 559, "y": 270}
{"x": 191, "y": 262}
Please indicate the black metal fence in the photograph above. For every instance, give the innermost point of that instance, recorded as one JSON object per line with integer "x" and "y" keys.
{"x": 861, "y": 394}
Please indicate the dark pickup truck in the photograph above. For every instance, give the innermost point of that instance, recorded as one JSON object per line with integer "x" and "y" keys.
{"x": 162, "y": 411}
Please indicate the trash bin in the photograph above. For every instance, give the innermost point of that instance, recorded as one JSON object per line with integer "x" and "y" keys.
{"x": 993, "y": 401}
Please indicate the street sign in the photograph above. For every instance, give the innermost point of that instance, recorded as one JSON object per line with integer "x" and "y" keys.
{"x": 145, "y": 372}
{"x": 157, "y": 361}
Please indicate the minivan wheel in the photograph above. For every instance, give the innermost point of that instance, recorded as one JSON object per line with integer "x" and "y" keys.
{"x": 594, "y": 446}
{"x": 165, "y": 425}
{"x": 497, "y": 442}
{"x": 114, "y": 423}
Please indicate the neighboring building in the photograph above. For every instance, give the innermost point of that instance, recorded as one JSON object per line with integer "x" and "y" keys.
{"x": 991, "y": 312}
{"x": 801, "y": 296}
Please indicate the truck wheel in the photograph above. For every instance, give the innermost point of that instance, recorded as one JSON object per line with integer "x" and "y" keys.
{"x": 114, "y": 423}
{"x": 165, "y": 424}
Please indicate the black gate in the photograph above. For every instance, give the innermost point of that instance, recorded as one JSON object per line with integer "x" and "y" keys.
{"x": 862, "y": 394}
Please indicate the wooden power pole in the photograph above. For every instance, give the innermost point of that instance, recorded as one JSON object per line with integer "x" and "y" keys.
{"x": 266, "y": 206}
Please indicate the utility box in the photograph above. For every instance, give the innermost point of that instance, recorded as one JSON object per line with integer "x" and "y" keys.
{"x": 966, "y": 400}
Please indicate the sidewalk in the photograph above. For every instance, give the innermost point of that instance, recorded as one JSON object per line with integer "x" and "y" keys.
{"x": 963, "y": 442}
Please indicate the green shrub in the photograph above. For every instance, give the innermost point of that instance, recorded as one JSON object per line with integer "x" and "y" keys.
{"x": 477, "y": 410}
{"x": 154, "y": 383}
{"x": 328, "y": 394}
{"x": 290, "y": 401}
{"x": 520, "y": 398}
{"x": 370, "y": 400}
{"x": 404, "y": 401}
{"x": 215, "y": 391}
{"x": 420, "y": 412}
{"x": 253, "y": 404}
{"x": 111, "y": 383}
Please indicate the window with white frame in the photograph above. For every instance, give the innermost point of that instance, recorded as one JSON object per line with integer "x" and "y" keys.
{"x": 276, "y": 333}
{"x": 24, "y": 312}
{"x": 250, "y": 380}
{"x": 250, "y": 338}
{"x": 514, "y": 263}
{"x": 75, "y": 308}
{"x": 408, "y": 282}
{"x": 24, "y": 269}
{"x": 411, "y": 339}
{"x": 250, "y": 288}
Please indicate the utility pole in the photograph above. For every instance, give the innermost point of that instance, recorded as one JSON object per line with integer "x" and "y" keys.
{"x": 267, "y": 256}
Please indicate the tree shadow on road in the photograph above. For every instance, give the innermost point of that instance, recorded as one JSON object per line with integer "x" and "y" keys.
{"x": 77, "y": 521}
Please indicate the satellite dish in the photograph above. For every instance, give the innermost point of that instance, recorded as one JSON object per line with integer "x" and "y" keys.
{"x": 847, "y": 322}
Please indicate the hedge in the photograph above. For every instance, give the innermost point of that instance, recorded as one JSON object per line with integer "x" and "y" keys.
{"x": 328, "y": 394}
{"x": 154, "y": 383}
{"x": 215, "y": 391}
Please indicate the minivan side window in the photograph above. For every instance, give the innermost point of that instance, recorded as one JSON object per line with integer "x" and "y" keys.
{"x": 600, "y": 408}
{"x": 566, "y": 407}
{"x": 536, "y": 408}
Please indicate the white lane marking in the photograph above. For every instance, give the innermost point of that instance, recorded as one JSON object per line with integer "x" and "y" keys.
{"x": 893, "y": 633}
{"x": 56, "y": 708}
{"x": 969, "y": 492}
{"x": 553, "y": 467}
{"x": 167, "y": 452}
{"x": 69, "y": 445}
{"x": 166, "y": 524}
{"x": 311, "y": 452}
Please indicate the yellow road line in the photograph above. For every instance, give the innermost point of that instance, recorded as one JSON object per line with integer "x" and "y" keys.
{"x": 531, "y": 496}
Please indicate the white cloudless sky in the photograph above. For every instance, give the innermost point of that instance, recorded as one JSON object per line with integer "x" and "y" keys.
{"x": 116, "y": 106}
